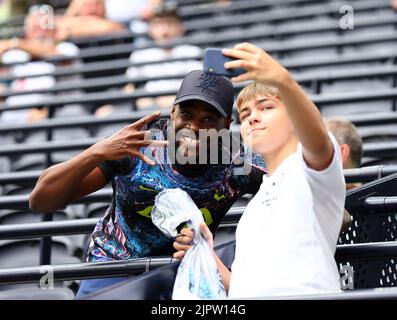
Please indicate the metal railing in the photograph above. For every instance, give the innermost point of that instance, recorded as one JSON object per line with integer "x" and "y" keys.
{"x": 115, "y": 97}
{"x": 372, "y": 119}
{"x": 292, "y": 64}
{"x": 364, "y": 174}
{"x": 371, "y": 205}
{"x": 373, "y": 149}
{"x": 370, "y": 251}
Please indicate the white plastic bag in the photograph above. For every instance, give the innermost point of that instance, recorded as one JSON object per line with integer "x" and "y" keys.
{"x": 198, "y": 276}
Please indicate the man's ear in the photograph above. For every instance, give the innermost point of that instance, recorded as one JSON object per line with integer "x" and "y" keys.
{"x": 345, "y": 152}
{"x": 172, "y": 114}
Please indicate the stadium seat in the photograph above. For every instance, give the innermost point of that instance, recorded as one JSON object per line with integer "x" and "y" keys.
{"x": 71, "y": 111}
{"x": 107, "y": 130}
{"x": 18, "y": 216}
{"x": 351, "y": 85}
{"x": 25, "y": 253}
{"x": 58, "y": 134}
{"x": 96, "y": 210}
{"x": 29, "y": 162}
{"x": 5, "y": 165}
{"x": 378, "y": 133}
{"x": 371, "y": 31}
{"x": 37, "y": 294}
{"x": 356, "y": 108}
{"x": 12, "y": 189}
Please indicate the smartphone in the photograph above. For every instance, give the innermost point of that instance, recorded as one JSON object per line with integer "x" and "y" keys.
{"x": 214, "y": 61}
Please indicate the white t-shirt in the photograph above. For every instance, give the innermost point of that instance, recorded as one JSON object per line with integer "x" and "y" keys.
{"x": 26, "y": 69}
{"x": 67, "y": 49}
{"x": 124, "y": 10}
{"x": 286, "y": 238}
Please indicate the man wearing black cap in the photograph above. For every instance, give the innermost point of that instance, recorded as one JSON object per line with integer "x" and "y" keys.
{"x": 140, "y": 168}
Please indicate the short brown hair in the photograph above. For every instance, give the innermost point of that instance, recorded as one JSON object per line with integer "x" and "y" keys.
{"x": 169, "y": 10}
{"x": 253, "y": 90}
{"x": 346, "y": 132}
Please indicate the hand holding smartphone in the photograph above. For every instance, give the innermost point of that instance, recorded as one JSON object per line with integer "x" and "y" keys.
{"x": 214, "y": 61}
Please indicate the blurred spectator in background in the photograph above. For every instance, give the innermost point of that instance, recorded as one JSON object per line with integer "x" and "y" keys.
{"x": 39, "y": 42}
{"x": 349, "y": 139}
{"x": 86, "y": 8}
{"x": 125, "y": 11}
{"x": 394, "y": 4}
{"x": 165, "y": 27}
{"x": 351, "y": 146}
{"x": 149, "y": 9}
{"x": 13, "y": 8}
{"x": 85, "y": 18}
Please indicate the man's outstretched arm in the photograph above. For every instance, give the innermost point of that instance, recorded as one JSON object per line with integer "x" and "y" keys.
{"x": 66, "y": 182}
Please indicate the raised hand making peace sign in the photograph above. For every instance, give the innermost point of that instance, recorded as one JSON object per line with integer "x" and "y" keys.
{"x": 129, "y": 140}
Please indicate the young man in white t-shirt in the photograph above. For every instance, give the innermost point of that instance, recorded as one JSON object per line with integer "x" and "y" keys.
{"x": 286, "y": 238}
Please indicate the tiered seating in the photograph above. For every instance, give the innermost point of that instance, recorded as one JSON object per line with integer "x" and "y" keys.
{"x": 350, "y": 73}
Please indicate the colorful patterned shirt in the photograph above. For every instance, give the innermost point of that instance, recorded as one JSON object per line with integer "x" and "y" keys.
{"x": 126, "y": 231}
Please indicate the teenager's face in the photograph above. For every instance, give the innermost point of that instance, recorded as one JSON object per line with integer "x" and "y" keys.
{"x": 265, "y": 125}
{"x": 192, "y": 116}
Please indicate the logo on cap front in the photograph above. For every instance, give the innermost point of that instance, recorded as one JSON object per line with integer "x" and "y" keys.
{"x": 208, "y": 83}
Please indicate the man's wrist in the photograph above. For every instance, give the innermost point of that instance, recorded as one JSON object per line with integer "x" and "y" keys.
{"x": 95, "y": 154}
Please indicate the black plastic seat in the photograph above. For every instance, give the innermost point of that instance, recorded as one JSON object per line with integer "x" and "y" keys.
{"x": 25, "y": 253}
{"x": 224, "y": 235}
{"x": 356, "y": 108}
{"x": 5, "y": 163}
{"x": 58, "y": 134}
{"x": 37, "y": 294}
{"x": 96, "y": 209}
{"x": 12, "y": 189}
{"x": 108, "y": 130}
{"x": 356, "y": 85}
{"x": 29, "y": 162}
{"x": 71, "y": 111}
{"x": 27, "y": 216}
{"x": 74, "y": 242}
{"x": 378, "y": 133}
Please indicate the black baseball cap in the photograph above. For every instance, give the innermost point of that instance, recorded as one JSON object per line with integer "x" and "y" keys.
{"x": 208, "y": 87}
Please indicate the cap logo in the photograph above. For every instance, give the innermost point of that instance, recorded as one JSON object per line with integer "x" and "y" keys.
{"x": 208, "y": 83}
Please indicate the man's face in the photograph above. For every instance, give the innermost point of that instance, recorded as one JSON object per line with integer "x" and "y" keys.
{"x": 163, "y": 29}
{"x": 193, "y": 119}
{"x": 265, "y": 125}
